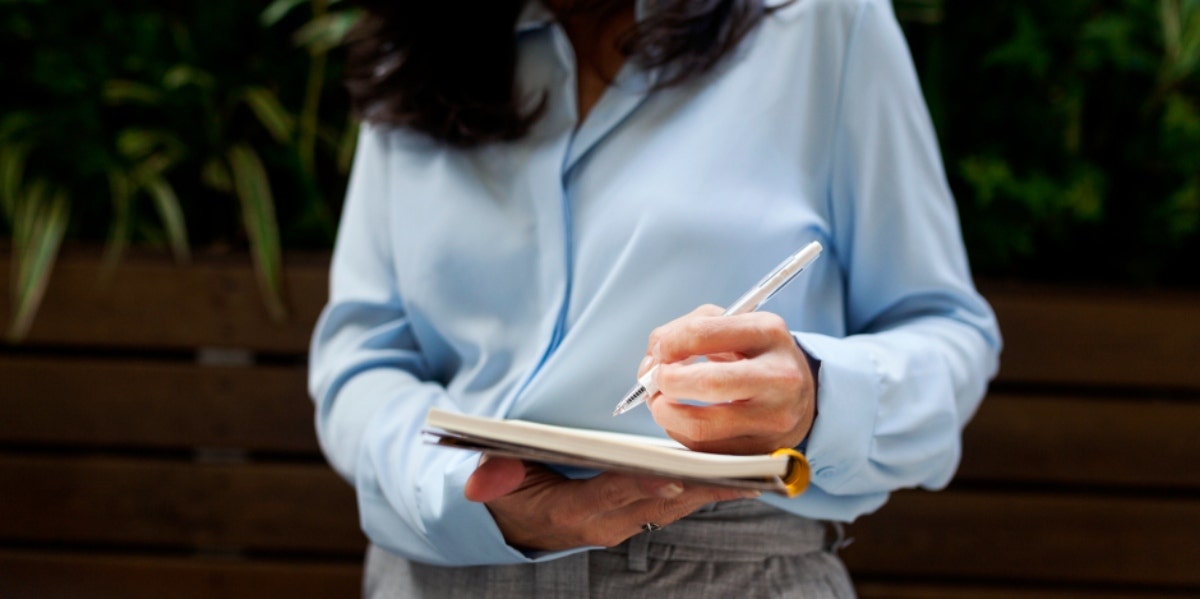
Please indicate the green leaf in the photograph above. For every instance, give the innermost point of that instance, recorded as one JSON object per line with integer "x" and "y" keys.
{"x": 121, "y": 91}
{"x": 46, "y": 225}
{"x": 1180, "y": 22}
{"x": 24, "y": 213}
{"x": 182, "y": 75}
{"x": 171, "y": 214}
{"x": 12, "y": 168}
{"x": 1180, "y": 131}
{"x": 258, "y": 216}
{"x": 1189, "y": 42}
{"x": 121, "y": 188}
{"x": 271, "y": 113}
{"x": 987, "y": 177}
{"x": 1084, "y": 198}
{"x": 1025, "y": 50}
{"x": 1183, "y": 211}
{"x": 15, "y": 123}
{"x": 139, "y": 144}
{"x": 216, "y": 175}
{"x": 345, "y": 153}
{"x": 929, "y": 12}
{"x": 327, "y": 31}
{"x": 1172, "y": 27}
{"x": 277, "y": 10}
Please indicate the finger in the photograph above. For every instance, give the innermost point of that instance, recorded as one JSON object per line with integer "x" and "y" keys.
{"x": 664, "y": 512}
{"x": 493, "y": 478}
{"x": 648, "y": 362}
{"x": 715, "y": 382}
{"x": 745, "y": 334}
{"x": 738, "y": 427}
{"x": 704, "y": 311}
{"x": 612, "y": 491}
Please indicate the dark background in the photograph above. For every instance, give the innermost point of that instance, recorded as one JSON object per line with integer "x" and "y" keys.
{"x": 189, "y": 159}
{"x": 1070, "y": 129}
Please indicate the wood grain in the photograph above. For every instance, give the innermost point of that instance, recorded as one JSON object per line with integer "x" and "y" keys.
{"x": 154, "y": 405}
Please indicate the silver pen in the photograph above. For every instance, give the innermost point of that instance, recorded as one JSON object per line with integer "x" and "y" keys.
{"x": 749, "y": 302}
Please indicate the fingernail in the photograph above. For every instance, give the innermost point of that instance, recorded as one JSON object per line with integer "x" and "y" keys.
{"x": 669, "y": 491}
{"x": 646, "y": 362}
{"x": 750, "y": 494}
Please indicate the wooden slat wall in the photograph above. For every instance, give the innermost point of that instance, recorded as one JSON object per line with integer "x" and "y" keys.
{"x": 156, "y": 440}
{"x": 1079, "y": 475}
{"x": 94, "y": 575}
{"x": 176, "y": 404}
{"x": 149, "y": 303}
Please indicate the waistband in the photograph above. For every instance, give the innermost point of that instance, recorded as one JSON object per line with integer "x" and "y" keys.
{"x": 740, "y": 530}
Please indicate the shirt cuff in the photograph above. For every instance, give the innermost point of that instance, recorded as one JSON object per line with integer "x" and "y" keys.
{"x": 849, "y": 386}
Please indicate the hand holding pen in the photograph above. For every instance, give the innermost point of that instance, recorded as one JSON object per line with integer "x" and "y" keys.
{"x": 750, "y": 301}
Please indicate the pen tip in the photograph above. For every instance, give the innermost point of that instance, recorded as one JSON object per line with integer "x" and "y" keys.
{"x": 630, "y": 401}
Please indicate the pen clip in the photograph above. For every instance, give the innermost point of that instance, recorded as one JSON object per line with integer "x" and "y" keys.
{"x": 779, "y": 287}
{"x": 797, "y": 262}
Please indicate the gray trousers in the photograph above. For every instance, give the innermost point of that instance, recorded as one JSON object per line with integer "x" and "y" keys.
{"x": 738, "y": 548}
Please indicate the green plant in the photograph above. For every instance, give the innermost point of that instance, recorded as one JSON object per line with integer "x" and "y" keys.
{"x": 1070, "y": 127}
{"x": 37, "y": 215}
{"x": 149, "y": 122}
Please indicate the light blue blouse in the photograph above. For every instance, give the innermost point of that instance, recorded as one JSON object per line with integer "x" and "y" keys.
{"x": 522, "y": 279}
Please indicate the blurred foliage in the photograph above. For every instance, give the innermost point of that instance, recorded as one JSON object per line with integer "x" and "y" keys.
{"x": 211, "y": 124}
{"x": 1071, "y": 131}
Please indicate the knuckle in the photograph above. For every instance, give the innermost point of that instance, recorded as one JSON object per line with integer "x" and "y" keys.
{"x": 656, "y": 335}
{"x": 613, "y": 495}
{"x": 668, "y": 377}
{"x": 772, "y": 322}
{"x": 773, "y": 326}
{"x": 789, "y": 380}
{"x": 669, "y": 510}
{"x": 776, "y": 425}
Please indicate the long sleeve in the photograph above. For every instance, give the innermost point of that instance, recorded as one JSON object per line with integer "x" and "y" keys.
{"x": 372, "y": 386}
{"x": 896, "y": 392}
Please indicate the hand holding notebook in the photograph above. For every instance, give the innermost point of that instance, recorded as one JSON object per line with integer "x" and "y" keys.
{"x": 785, "y": 472}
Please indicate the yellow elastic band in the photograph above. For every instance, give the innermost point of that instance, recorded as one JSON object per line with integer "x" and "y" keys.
{"x": 796, "y": 480}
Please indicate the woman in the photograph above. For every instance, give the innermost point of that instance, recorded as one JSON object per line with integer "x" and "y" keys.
{"x": 543, "y": 185}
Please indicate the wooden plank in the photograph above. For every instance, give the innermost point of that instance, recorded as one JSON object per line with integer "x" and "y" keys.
{"x": 88, "y": 402}
{"x": 909, "y": 590}
{"x": 152, "y": 303}
{"x": 956, "y": 534}
{"x": 1013, "y": 438}
{"x": 1098, "y": 337}
{"x": 163, "y": 503}
{"x": 1031, "y": 538}
{"x": 53, "y": 575}
{"x": 49, "y": 575}
{"x": 1084, "y": 440}
{"x": 1052, "y": 334}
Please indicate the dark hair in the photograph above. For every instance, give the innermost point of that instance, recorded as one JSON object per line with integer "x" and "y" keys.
{"x": 447, "y": 68}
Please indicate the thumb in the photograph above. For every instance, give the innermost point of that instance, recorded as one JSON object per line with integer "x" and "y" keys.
{"x": 493, "y": 478}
